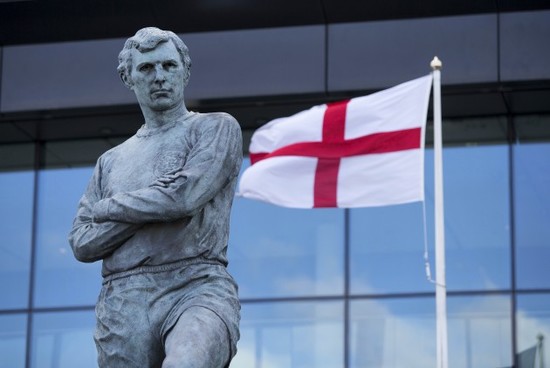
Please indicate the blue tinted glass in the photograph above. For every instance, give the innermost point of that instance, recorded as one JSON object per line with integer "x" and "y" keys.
{"x": 16, "y": 195}
{"x": 275, "y": 251}
{"x": 12, "y": 340}
{"x": 291, "y": 334}
{"x": 532, "y": 205}
{"x": 64, "y": 340}
{"x": 392, "y": 333}
{"x": 533, "y": 324}
{"x": 387, "y": 242}
{"x": 480, "y": 331}
{"x": 477, "y": 216}
{"x": 60, "y": 279}
{"x": 402, "y": 332}
{"x": 386, "y": 249}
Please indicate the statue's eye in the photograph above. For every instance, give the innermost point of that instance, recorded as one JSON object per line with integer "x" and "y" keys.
{"x": 145, "y": 67}
{"x": 169, "y": 65}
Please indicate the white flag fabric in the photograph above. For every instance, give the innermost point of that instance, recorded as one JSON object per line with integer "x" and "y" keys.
{"x": 367, "y": 151}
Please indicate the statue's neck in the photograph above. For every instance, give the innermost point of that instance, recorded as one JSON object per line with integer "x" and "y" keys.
{"x": 155, "y": 119}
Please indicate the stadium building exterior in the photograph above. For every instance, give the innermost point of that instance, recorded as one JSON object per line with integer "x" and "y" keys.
{"x": 319, "y": 288}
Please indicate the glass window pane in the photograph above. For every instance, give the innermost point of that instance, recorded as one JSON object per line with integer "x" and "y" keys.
{"x": 291, "y": 334}
{"x": 16, "y": 207}
{"x": 402, "y": 332}
{"x": 60, "y": 279}
{"x": 387, "y": 242}
{"x": 65, "y": 154}
{"x": 532, "y": 128}
{"x": 64, "y": 340}
{"x": 477, "y": 216}
{"x": 17, "y": 157}
{"x": 532, "y": 205}
{"x": 276, "y": 251}
{"x": 392, "y": 333}
{"x": 13, "y": 331}
{"x": 386, "y": 250}
{"x": 480, "y": 331}
{"x": 533, "y": 324}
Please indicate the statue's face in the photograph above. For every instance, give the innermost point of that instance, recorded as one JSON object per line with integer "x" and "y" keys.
{"x": 157, "y": 77}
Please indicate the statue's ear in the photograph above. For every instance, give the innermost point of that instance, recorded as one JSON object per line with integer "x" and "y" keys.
{"x": 126, "y": 79}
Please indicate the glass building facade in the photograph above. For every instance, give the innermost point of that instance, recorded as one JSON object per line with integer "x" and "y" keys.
{"x": 319, "y": 288}
{"x": 323, "y": 288}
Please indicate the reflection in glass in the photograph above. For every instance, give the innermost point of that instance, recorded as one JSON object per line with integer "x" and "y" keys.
{"x": 60, "y": 279}
{"x": 392, "y": 333}
{"x": 387, "y": 242}
{"x": 12, "y": 340}
{"x": 77, "y": 153}
{"x": 291, "y": 334}
{"x": 477, "y": 216}
{"x": 480, "y": 332}
{"x": 275, "y": 251}
{"x": 16, "y": 194}
{"x": 402, "y": 332}
{"x": 64, "y": 340}
{"x": 386, "y": 246}
{"x": 17, "y": 157}
{"x": 533, "y": 325}
{"x": 532, "y": 204}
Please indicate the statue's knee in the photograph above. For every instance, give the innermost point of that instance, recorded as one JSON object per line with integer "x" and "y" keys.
{"x": 198, "y": 340}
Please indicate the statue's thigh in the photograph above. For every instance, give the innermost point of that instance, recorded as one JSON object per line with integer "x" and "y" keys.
{"x": 124, "y": 336}
{"x": 198, "y": 339}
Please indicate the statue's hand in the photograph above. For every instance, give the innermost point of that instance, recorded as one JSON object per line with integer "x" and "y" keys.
{"x": 167, "y": 179}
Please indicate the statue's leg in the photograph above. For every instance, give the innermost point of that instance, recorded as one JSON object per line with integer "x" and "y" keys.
{"x": 199, "y": 339}
{"x": 124, "y": 337}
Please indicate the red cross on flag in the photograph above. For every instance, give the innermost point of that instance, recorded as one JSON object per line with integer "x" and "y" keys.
{"x": 367, "y": 151}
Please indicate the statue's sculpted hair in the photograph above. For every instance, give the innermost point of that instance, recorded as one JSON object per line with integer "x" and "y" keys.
{"x": 147, "y": 39}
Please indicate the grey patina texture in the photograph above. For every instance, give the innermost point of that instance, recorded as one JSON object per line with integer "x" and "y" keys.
{"x": 156, "y": 212}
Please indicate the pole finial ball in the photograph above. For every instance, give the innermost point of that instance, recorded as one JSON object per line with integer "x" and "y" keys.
{"x": 436, "y": 64}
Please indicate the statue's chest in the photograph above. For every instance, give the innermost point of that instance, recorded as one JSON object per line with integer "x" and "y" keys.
{"x": 143, "y": 162}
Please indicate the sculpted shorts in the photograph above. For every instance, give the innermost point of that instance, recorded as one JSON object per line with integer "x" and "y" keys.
{"x": 137, "y": 309}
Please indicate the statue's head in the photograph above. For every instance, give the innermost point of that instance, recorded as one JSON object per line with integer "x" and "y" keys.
{"x": 147, "y": 39}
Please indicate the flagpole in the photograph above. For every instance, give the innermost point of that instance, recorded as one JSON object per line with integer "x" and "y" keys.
{"x": 540, "y": 338}
{"x": 440, "y": 283}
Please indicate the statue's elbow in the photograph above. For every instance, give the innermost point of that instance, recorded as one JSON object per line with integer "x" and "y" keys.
{"x": 83, "y": 255}
{"x": 83, "y": 252}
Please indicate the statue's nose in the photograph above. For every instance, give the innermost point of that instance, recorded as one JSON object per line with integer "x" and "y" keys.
{"x": 160, "y": 74}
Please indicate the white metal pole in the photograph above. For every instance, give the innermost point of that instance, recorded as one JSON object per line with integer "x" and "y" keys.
{"x": 540, "y": 347}
{"x": 440, "y": 283}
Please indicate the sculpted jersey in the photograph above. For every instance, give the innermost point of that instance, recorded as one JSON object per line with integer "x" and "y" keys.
{"x": 162, "y": 196}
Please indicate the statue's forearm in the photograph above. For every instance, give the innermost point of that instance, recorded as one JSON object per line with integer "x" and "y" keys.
{"x": 93, "y": 241}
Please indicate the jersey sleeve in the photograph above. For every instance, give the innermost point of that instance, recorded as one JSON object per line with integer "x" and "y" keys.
{"x": 89, "y": 240}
